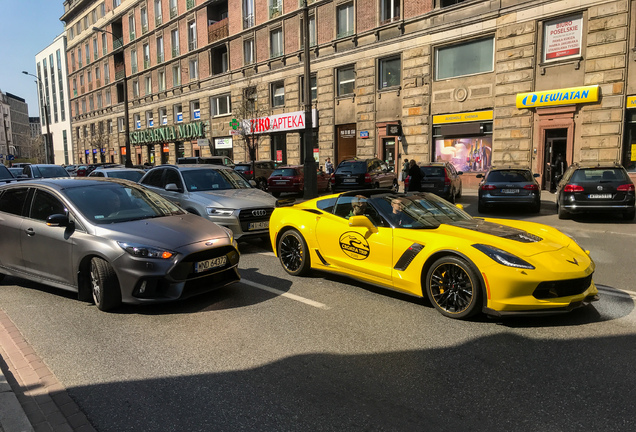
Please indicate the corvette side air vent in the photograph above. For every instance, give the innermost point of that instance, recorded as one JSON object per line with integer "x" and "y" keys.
{"x": 314, "y": 211}
{"x": 408, "y": 256}
{"x": 524, "y": 237}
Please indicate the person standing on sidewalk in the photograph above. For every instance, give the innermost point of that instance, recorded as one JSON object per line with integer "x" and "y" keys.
{"x": 415, "y": 182}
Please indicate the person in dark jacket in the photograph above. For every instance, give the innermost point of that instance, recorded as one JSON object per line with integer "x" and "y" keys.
{"x": 415, "y": 182}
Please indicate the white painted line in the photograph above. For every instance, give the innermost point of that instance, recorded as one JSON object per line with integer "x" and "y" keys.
{"x": 615, "y": 292}
{"x": 286, "y": 294}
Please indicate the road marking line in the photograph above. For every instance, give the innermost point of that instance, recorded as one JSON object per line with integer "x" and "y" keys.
{"x": 286, "y": 294}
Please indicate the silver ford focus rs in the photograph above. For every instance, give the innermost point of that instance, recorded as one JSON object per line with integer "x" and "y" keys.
{"x": 111, "y": 241}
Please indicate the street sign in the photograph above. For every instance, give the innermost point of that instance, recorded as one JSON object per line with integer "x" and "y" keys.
{"x": 10, "y": 157}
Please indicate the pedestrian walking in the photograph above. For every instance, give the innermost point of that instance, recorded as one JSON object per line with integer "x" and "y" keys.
{"x": 415, "y": 182}
{"x": 329, "y": 166}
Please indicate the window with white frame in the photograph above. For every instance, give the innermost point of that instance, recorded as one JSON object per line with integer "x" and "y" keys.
{"x": 344, "y": 18}
{"x": 135, "y": 88}
{"x": 389, "y": 11}
{"x": 313, "y": 88}
{"x": 390, "y": 72}
{"x": 137, "y": 121}
{"x": 148, "y": 81}
{"x": 193, "y": 68}
{"x": 109, "y": 126}
{"x": 106, "y": 74}
{"x": 312, "y": 32}
{"x": 133, "y": 61}
{"x": 146, "y": 49}
{"x": 278, "y": 94}
{"x": 158, "y": 17}
{"x": 174, "y": 42}
{"x": 248, "y": 14}
{"x": 276, "y": 43}
{"x": 275, "y": 8}
{"x": 220, "y": 105}
{"x": 108, "y": 97}
{"x": 116, "y": 3}
{"x": 178, "y": 113}
{"x": 192, "y": 35}
{"x": 104, "y": 44}
{"x": 248, "y": 51}
{"x": 160, "y": 49}
{"x": 99, "y": 100}
{"x": 195, "y": 110}
{"x": 161, "y": 80}
{"x": 120, "y": 124}
{"x": 446, "y": 3}
{"x": 346, "y": 80}
{"x": 163, "y": 116}
{"x": 131, "y": 27}
{"x": 144, "y": 20}
{"x": 467, "y": 58}
{"x": 173, "y": 9}
{"x": 150, "y": 122}
{"x": 176, "y": 75}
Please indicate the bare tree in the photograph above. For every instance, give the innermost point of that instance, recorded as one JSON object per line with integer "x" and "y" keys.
{"x": 246, "y": 112}
{"x": 99, "y": 139}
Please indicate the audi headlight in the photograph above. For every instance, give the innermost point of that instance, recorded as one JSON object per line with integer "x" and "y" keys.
{"x": 146, "y": 251}
{"x": 219, "y": 211}
{"x": 503, "y": 257}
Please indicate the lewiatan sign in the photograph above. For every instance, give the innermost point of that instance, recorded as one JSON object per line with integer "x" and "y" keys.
{"x": 567, "y": 96}
{"x": 182, "y": 132}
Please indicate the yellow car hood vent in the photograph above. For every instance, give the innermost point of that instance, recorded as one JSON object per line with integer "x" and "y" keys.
{"x": 498, "y": 230}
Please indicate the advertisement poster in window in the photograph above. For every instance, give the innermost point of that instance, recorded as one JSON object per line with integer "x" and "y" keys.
{"x": 471, "y": 154}
{"x": 562, "y": 38}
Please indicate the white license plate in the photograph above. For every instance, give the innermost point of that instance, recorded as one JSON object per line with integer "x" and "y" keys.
{"x": 427, "y": 185}
{"x": 206, "y": 265}
{"x": 510, "y": 191}
{"x": 257, "y": 225}
{"x": 280, "y": 181}
{"x": 348, "y": 180}
{"x": 599, "y": 196}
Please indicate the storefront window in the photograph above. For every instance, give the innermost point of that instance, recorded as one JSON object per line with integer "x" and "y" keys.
{"x": 279, "y": 148}
{"x": 467, "y": 154}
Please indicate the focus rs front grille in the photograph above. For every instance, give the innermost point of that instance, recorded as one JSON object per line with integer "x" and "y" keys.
{"x": 563, "y": 288}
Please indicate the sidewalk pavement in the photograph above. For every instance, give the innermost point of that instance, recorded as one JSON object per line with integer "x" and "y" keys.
{"x": 31, "y": 397}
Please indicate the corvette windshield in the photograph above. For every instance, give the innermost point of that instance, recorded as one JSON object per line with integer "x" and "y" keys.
{"x": 418, "y": 211}
{"x": 209, "y": 179}
{"x": 114, "y": 202}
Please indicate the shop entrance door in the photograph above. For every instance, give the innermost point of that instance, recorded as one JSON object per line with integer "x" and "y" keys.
{"x": 554, "y": 157}
{"x": 346, "y": 148}
{"x": 388, "y": 151}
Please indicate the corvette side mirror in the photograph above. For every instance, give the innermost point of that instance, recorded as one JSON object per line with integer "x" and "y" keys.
{"x": 362, "y": 221}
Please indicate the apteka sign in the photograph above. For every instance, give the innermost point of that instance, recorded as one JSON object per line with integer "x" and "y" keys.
{"x": 276, "y": 123}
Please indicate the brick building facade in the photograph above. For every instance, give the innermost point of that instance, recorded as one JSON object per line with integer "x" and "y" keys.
{"x": 478, "y": 83}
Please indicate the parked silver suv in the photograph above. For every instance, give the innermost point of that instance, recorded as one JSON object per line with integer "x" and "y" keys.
{"x": 218, "y": 193}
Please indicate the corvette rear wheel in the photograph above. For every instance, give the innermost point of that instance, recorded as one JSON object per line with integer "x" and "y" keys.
{"x": 293, "y": 253}
{"x": 453, "y": 287}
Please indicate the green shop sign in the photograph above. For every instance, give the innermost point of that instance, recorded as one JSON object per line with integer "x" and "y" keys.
{"x": 166, "y": 134}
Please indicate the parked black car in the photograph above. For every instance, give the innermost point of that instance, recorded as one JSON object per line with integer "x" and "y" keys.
{"x": 509, "y": 186}
{"x": 440, "y": 178}
{"x": 259, "y": 171}
{"x": 600, "y": 188}
{"x": 357, "y": 173}
{"x": 44, "y": 171}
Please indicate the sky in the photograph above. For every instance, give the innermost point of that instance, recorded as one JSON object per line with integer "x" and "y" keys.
{"x": 26, "y": 28}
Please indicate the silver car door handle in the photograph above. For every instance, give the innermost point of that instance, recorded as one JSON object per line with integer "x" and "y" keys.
{"x": 30, "y": 232}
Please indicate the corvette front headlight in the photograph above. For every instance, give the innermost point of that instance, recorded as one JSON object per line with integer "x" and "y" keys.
{"x": 503, "y": 257}
{"x": 219, "y": 211}
{"x": 144, "y": 251}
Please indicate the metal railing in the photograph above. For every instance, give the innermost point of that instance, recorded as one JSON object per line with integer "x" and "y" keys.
{"x": 344, "y": 34}
{"x": 175, "y": 52}
{"x": 144, "y": 28}
{"x": 132, "y": 36}
{"x": 158, "y": 21}
{"x": 192, "y": 45}
{"x": 248, "y": 21}
{"x": 218, "y": 30}
{"x": 146, "y": 63}
{"x": 159, "y": 57}
{"x": 118, "y": 43}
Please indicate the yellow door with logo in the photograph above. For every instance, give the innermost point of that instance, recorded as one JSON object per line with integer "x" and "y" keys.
{"x": 357, "y": 250}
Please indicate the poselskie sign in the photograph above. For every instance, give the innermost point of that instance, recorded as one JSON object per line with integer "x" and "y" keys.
{"x": 567, "y": 96}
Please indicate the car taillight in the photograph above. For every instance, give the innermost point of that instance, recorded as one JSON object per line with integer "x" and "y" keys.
{"x": 488, "y": 187}
{"x": 249, "y": 172}
{"x": 297, "y": 180}
{"x": 531, "y": 187}
{"x": 333, "y": 180}
{"x": 447, "y": 180}
{"x": 367, "y": 178}
{"x": 626, "y": 188}
{"x": 573, "y": 188}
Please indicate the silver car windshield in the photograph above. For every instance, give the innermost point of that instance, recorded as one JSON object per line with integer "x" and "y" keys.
{"x": 212, "y": 179}
{"x": 114, "y": 202}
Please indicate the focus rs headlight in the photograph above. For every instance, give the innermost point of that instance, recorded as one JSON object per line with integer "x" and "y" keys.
{"x": 503, "y": 257}
{"x": 143, "y": 251}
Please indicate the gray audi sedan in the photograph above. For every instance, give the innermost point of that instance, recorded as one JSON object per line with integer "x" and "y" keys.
{"x": 111, "y": 241}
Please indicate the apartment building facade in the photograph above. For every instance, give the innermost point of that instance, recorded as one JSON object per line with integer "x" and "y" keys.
{"x": 54, "y": 100}
{"x": 477, "y": 83}
{"x": 15, "y": 140}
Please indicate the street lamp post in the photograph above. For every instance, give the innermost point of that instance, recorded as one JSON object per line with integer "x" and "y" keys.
{"x": 311, "y": 181}
{"x": 128, "y": 162}
{"x": 49, "y": 155}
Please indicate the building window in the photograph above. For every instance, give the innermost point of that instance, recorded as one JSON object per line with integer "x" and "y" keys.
{"x": 98, "y": 75}
{"x": 278, "y": 94}
{"x": 95, "y": 51}
{"x": 178, "y": 113}
{"x": 446, "y": 3}
{"x": 174, "y": 42}
{"x": 248, "y": 51}
{"x": 146, "y": 49}
{"x": 148, "y": 81}
{"x": 79, "y": 58}
{"x": 137, "y": 121}
{"x": 131, "y": 26}
{"x": 220, "y": 105}
{"x": 133, "y": 61}
{"x": 91, "y": 103}
{"x": 176, "y": 75}
{"x": 106, "y": 74}
{"x": 150, "y": 122}
{"x": 158, "y": 17}
{"x": 251, "y": 98}
{"x": 389, "y": 11}
{"x": 346, "y": 80}
{"x": 116, "y": 3}
{"x": 248, "y": 14}
{"x": 312, "y": 84}
{"x": 71, "y": 33}
{"x": 275, "y": 8}
{"x": 82, "y": 83}
{"x": 144, "y": 20}
{"x": 160, "y": 49}
{"x": 136, "y": 88}
{"x": 108, "y": 98}
{"x": 195, "y": 110}
{"x": 161, "y": 78}
{"x": 192, "y": 35}
{"x": 120, "y": 124}
{"x": 87, "y": 51}
{"x": 344, "y": 20}
{"x": 193, "y": 69}
{"x": 468, "y": 58}
{"x": 104, "y": 44}
{"x": 109, "y": 126}
{"x": 173, "y": 9}
{"x": 163, "y": 116}
{"x": 390, "y": 72}
{"x": 276, "y": 43}
{"x": 99, "y": 100}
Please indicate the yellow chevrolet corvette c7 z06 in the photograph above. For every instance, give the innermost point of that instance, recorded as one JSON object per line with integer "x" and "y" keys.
{"x": 424, "y": 246}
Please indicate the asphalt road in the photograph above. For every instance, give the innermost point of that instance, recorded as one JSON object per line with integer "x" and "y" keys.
{"x": 280, "y": 353}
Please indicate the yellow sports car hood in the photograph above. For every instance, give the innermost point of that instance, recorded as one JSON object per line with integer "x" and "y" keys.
{"x": 523, "y": 239}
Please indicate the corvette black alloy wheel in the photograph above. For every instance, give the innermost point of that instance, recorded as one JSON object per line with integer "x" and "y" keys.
{"x": 453, "y": 287}
{"x": 293, "y": 253}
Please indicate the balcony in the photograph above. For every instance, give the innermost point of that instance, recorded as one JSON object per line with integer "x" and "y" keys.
{"x": 218, "y": 30}
{"x": 98, "y": 83}
{"x": 82, "y": 90}
{"x": 120, "y": 73}
{"x": 118, "y": 43}
{"x": 173, "y": 12}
